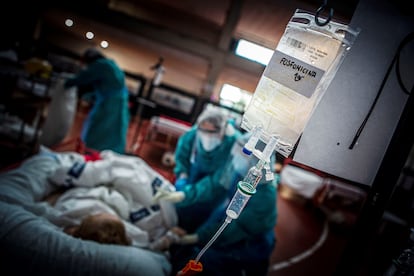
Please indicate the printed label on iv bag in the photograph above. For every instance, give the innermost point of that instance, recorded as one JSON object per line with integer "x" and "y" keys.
{"x": 302, "y": 66}
{"x": 293, "y": 73}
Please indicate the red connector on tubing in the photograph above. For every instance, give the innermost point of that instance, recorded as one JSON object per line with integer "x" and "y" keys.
{"x": 191, "y": 268}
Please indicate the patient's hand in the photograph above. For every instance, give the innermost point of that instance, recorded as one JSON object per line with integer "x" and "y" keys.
{"x": 182, "y": 237}
{"x": 178, "y": 231}
{"x": 189, "y": 239}
{"x": 172, "y": 236}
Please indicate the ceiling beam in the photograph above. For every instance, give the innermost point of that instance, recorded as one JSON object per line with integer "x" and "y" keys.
{"x": 217, "y": 61}
{"x": 166, "y": 37}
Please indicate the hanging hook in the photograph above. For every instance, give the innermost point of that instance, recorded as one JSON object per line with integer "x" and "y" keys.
{"x": 321, "y": 8}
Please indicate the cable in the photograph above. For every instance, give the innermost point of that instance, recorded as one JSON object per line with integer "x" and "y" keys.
{"x": 406, "y": 40}
{"x": 305, "y": 254}
{"x": 395, "y": 59}
{"x": 210, "y": 242}
{"x": 319, "y": 10}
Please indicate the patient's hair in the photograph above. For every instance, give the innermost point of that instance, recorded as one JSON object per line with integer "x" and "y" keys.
{"x": 102, "y": 228}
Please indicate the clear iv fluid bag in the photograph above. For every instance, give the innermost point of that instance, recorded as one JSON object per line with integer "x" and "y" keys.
{"x": 300, "y": 70}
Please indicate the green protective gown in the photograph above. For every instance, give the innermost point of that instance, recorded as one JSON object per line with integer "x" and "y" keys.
{"x": 257, "y": 217}
{"x": 203, "y": 191}
{"x": 246, "y": 243}
{"x": 204, "y": 163}
{"x": 107, "y": 123}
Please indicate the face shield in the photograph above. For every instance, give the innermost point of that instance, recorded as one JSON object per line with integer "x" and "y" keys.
{"x": 210, "y": 129}
{"x": 209, "y": 140}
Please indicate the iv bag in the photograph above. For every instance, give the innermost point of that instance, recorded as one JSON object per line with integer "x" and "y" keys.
{"x": 299, "y": 72}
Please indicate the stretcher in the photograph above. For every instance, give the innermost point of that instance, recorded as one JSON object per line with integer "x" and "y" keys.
{"x": 163, "y": 132}
{"x": 172, "y": 128}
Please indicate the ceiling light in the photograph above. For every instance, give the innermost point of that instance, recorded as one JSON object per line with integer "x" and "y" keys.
{"x": 104, "y": 44}
{"x": 69, "y": 22}
{"x": 89, "y": 35}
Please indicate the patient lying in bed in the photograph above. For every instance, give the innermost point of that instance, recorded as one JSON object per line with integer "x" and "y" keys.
{"x": 31, "y": 228}
{"x": 114, "y": 190}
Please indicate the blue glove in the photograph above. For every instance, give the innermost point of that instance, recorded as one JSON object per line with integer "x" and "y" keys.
{"x": 180, "y": 183}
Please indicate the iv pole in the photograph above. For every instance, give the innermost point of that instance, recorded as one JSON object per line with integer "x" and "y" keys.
{"x": 156, "y": 80}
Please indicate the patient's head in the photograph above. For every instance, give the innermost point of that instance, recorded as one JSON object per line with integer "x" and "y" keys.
{"x": 102, "y": 228}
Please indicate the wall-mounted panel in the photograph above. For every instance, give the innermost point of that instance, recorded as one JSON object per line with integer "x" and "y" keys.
{"x": 326, "y": 141}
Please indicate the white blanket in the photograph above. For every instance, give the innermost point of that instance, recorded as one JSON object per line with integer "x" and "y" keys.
{"x": 117, "y": 184}
{"x": 31, "y": 245}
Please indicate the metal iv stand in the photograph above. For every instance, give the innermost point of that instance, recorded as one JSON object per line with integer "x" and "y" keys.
{"x": 156, "y": 80}
{"x": 135, "y": 144}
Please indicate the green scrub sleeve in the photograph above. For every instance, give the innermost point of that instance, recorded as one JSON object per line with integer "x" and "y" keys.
{"x": 203, "y": 191}
{"x": 183, "y": 152}
{"x": 258, "y": 216}
{"x": 85, "y": 76}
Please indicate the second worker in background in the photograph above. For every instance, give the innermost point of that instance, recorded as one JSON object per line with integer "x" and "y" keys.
{"x": 106, "y": 126}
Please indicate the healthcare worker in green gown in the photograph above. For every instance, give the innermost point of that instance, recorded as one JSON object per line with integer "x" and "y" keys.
{"x": 200, "y": 156}
{"x": 106, "y": 125}
{"x": 246, "y": 244}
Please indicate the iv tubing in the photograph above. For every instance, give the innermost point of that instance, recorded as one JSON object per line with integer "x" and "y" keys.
{"x": 251, "y": 179}
{"x": 269, "y": 148}
{"x": 210, "y": 242}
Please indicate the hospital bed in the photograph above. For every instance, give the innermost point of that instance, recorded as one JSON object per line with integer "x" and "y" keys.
{"x": 163, "y": 132}
{"x": 163, "y": 125}
{"x": 32, "y": 245}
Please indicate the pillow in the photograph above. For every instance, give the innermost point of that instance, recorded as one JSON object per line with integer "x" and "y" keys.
{"x": 31, "y": 245}
{"x": 28, "y": 183}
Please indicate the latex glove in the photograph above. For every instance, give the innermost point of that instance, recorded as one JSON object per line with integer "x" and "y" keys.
{"x": 165, "y": 241}
{"x": 180, "y": 183}
{"x": 189, "y": 239}
{"x": 173, "y": 197}
{"x": 178, "y": 231}
{"x": 161, "y": 244}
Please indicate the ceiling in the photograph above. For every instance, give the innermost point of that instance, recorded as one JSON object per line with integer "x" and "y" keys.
{"x": 195, "y": 37}
{"x": 260, "y": 21}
